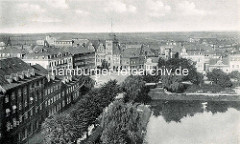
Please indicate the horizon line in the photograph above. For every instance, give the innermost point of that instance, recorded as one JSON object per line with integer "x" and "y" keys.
{"x": 122, "y": 32}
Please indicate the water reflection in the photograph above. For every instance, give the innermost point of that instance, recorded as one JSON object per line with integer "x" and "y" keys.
{"x": 176, "y": 110}
{"x": 198, "y": 122}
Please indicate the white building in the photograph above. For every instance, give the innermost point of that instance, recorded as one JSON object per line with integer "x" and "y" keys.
{"x": 151, "y": 64}
{"x": 199, "y": 60}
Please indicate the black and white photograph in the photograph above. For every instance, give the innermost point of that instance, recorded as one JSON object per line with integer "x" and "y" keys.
{"x": 119, "y": 71}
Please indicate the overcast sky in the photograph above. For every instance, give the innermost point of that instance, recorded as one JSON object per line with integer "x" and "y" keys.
{"x": 17, "y": 16}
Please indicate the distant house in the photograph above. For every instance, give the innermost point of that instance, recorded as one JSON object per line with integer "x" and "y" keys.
{"x": 132, "y": 59}
{"x": 63, "y": 43}
{"x": 12, "y": 52}
{"x": 151, "y": 64}
{"x": 222, "y": 64}
{"x": 50, "y": 40}
{"x": 40, "y": 42}
{"x": 79, "y": 42}
{"x": 50, "y": 59}
{"x": 82, "y": 58}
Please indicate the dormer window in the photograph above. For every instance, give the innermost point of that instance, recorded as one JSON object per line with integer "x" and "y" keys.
{"x": 9, "y": 78}
{"x": 16, "y": 77}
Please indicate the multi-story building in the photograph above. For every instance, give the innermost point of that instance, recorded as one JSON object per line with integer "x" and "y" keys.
{"x": 53, "y": 59}
{"x": 22, "y": 90}
{"x": 198, "y": 59}
{"x": 132, "y": 59}
{"x": 151, "y": 64}
{"x": 100, "y": 54}
{"x": 83, "y": 58}
{"x": 9, "y": 52}
{"x": 79, "y": 42}
{"x": 50, "y": 40}
{"x": 222, "y": 63}
{"x": 234, "y": 63}
{"x": 63, "y": 43}
{"x": 29, "y": 94}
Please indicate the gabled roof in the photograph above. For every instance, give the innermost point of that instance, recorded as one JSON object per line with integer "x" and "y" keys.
{"x": 132, "y": 52}
{"x": 10, "y": 66}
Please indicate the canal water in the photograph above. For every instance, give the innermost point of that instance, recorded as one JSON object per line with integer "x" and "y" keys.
{"x": 195, "y": 122}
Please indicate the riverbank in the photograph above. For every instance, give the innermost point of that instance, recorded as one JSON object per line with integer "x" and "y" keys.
{"x": 160, "y": 94}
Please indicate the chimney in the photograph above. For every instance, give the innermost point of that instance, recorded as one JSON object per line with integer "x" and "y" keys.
{"x": 16, "y": 77}
{"x": 21, "y": 75}
{"x": 9, "y": 78}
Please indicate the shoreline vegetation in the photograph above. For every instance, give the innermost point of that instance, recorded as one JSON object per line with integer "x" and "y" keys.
{"x": 160, "y": 94}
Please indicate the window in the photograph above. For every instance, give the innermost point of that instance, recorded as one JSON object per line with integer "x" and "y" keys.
{"x": 14, "y": 122}
{"x": 19, "y": 93}
{"x": 6, "y": 99}
{"x": 31, "y": 100}
{"x": 20, "y": 118}
{"x": 49, "y": 102}
{"x": 36, "y": 96}
{"x": 26, "y": 103}
{"x": 20, "y": 106}
{"x": 14, "y": 108}
{"x": 8, "y": 126}
{"x": 7, "y": 112}
{"x": 36, "y": 109}
{"x": 46, "y": 92}
{"x": 40, "y": 107}
{"x": 26, "y": 115}
{"x": 63, "y": 103}
{"x": 25, "y": 90}
{"x": 13, "y": 96}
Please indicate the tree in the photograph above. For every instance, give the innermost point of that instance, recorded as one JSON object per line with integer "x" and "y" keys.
{"x": 121, "y": 124}
{"x": 172, "y": 82}
{"x": 61, "y": 129}
{"x": 219, "y": 78}
{"x": 91, "y": 105}
{"x": 235, "y": 75}
{"x": 135, "y": 89}
{"x": 161, "y": 62}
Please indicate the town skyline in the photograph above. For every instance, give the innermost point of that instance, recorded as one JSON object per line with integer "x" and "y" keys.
{"x": 95, "y": 16}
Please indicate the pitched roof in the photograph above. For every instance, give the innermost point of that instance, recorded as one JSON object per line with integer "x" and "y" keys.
{"x": 12, "y": 50}
{"x": 78, "y": 50}
{"x": 10, "y": 66}
{"x": 132, "y": 52}
{"x": 39, "y": 69}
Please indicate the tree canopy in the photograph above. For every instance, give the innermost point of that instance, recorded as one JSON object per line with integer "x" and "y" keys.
{"x": 219, "y": 78}
{"x": 122, "y": 124}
